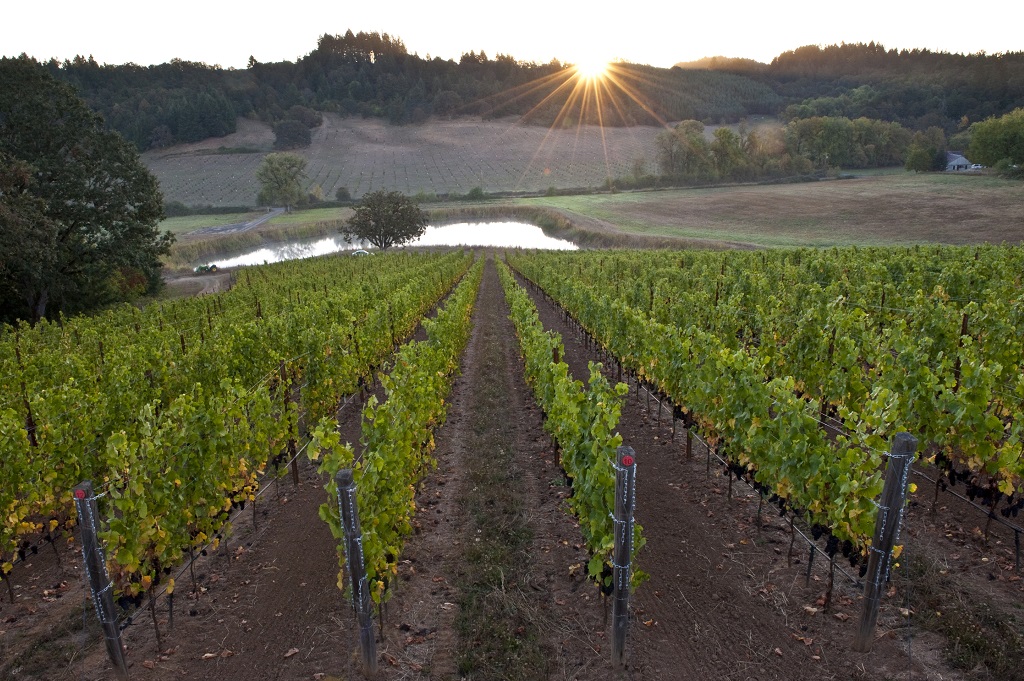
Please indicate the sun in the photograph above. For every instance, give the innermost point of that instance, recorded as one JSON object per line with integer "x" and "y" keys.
{"x": 592, "y": 68}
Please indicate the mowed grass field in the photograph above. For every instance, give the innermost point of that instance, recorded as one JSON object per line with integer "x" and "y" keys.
{"x": 878, "y": 209}
{"x": 874, "y": 208}
{"x": 188, "y": 223}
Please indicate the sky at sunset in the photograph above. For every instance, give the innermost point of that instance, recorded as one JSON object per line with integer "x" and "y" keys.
{"x": 656, "y": 32}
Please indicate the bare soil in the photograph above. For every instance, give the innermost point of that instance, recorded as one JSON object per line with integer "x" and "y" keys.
{"x": 724, "y": 600}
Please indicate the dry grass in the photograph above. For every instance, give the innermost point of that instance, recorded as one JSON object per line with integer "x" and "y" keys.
{"x": 873, "y": 210}
{"x": 497, "y": 622}
{"x": 983, "y": 636}
{"x": 500, "y": 156}
{"x": 441, "y": 157}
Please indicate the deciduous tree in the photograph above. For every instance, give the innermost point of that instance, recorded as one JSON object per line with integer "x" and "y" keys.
{"x": 79, "y": 209}
{"x": 386, "y": 219}
{"x": 920, "y": 159}
{"x": 727, "y": 150}
{"x": 683, "y": 152}
{"x": 280, "y": 177}
{"x": 996, "y": 139}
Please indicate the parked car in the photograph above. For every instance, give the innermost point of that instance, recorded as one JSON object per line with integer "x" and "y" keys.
{"x": 360, "y": 252}
{"x": 977, "y": 166}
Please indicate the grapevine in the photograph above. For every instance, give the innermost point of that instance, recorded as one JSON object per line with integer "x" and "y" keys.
{"x": 176, "y": 411}
{"x": 842, "y": 346}
{"x": 583, "y": 422}
{"x": 398, "y": 438}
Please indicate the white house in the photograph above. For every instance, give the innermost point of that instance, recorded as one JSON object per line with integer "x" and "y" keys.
{"x": 956, "y": 161}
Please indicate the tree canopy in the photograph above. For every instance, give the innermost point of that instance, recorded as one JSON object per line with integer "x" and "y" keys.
{"x": 78, "y": 209}
{"x": 999, "y": 139}
{"x": 373, "y": 74}
{"x": 801, "y": 147}
{"x": 386, "y": 219}
{"x": 280, "y": 177}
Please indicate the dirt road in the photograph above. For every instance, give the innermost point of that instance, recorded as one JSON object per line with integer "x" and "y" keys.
{"x": 238, "y": 227}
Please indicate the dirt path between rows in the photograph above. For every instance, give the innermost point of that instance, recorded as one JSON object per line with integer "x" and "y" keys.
{"x": 723, "y": 601}
{"x": 486, "y": 589}
{"x": 490, "y": 585}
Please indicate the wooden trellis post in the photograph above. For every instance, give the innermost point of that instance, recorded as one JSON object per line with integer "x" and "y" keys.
{"x": 887, "y": 527}
{"x": 625, "y": 497}
{"x": 357, "y": 569}
{"x": 99, "y": 580}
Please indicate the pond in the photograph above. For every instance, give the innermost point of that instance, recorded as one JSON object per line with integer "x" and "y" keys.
{"x": 487, "y": 234}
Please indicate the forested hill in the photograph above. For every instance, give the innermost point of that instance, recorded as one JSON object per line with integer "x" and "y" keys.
{"x": 917, "y": 88}
{"x": 372, "y": 74}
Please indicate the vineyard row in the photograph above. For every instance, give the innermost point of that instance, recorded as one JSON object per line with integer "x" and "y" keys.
{"x": 779, "y": 361}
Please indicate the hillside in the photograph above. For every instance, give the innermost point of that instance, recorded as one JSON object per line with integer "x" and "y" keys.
{"x": 372, "y": 75}
{"x": 446, "y": 156}
{"x": 917, "y": 88}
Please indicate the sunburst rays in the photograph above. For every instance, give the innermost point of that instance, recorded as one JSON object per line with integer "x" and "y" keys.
{"x": 599, "y": 94}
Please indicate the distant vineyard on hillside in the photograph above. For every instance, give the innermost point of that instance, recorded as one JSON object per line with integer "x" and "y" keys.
{"x": 442, "y": 157}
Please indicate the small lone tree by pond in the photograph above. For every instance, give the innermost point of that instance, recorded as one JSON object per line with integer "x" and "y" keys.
{"x": 386, "y": 219}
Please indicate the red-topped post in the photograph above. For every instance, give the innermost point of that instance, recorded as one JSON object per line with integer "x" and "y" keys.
{"x": 625, "y": 497}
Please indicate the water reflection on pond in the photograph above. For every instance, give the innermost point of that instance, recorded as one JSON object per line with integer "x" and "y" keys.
{"x": 305, "y": 248}
{"x": 493, "y": 234}
{"x": 497, "y": 234}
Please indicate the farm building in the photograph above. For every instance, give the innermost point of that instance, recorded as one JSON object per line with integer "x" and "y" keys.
{"x": 956, "y": 161}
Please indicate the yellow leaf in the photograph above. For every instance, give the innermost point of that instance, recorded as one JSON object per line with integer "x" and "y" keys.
{"x": 897, "y": 551}
{"x": 912, "y": 487}
{"x": 170, "y": 586}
